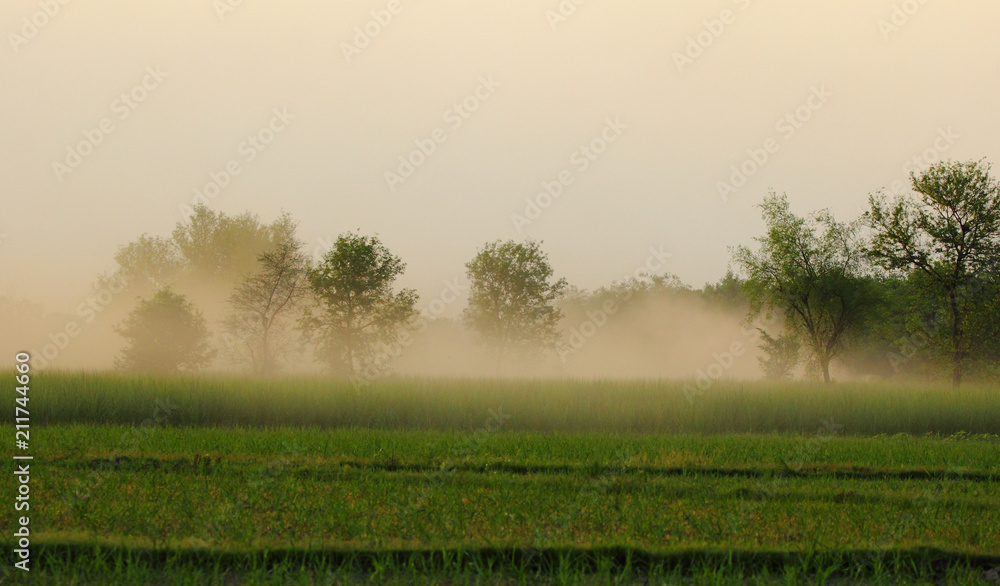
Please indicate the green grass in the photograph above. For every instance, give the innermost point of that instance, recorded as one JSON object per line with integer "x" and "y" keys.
{"x": 294, "y": 505}
{"x": 548, "y": 406}
{"x": 89, "y": 563}
{"x": 208, "y": 480}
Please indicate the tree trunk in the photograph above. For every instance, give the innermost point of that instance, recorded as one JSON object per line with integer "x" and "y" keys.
{"x": 350, "y": 354}
{"x": 265, "y": 357}
{"x": 501, "y": 350}
{"x": 349, "y": 343}
{"x": 958, "y": 355}
{"x": 824, "y": 364}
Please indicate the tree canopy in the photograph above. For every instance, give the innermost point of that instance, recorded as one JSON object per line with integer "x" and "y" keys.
{"x": 511, "y": 298}
{"x": 221, "y": 247}
{"x": 910, "y": 289}
{"x": 809, "y": 269}
{"x": 264, "y": 305}
{"x": 209, "y": 249}
{"x": 358, "y": 312}
{"x": 164, "y": 334}
{"x": 950, "y": 234}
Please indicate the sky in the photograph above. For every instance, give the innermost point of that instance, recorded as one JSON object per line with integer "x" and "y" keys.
{"x": 621, "y": 134}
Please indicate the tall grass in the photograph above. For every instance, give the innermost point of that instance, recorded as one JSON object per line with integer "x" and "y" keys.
{"x": 102, "y": 563}
{"x": 533, "y": 405}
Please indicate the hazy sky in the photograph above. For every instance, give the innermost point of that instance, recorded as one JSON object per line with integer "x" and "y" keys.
{"x": 507, "y": 94}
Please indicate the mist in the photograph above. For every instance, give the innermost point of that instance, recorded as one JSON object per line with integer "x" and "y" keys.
{"x": 678, "y": 336}
{"x": 602, "y": 130}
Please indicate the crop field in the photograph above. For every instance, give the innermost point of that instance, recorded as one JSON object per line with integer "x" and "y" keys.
{"x": 186, "y": 481}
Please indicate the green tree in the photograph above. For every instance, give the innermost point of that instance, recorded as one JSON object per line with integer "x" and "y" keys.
{"x": 358, "y": 313}
{"x": 727, "y": 293}
{"x": 512, "y": 298}
{"x": 781, "y": 355}
{"x": 264, "y": 304}
{"x": 873, "y": 347}
{"x": 148, "y": 264}
{"x": 210, "y": 250}
{"x": 164, "y": 334}
{"x": 217, "y": 247}
{"x": 950, "y": 233}
{"x": 983, "y": 324}
{"x": 809, "y": 270}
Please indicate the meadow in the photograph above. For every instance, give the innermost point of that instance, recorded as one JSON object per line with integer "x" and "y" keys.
{"x": 205, "y": 480}
{"x": 544, "y": 405}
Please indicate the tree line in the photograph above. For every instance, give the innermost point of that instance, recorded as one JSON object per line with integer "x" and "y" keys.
{"x": 912, "y": 286}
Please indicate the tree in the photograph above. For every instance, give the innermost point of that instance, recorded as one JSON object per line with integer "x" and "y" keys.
{"x": 983, "y": 323}
{"x": 810, "y": 270}
{"x": 148, "y": 264}
{"x": 210, "y": 251}
{"x": 264, "y": 304}
{"x": 511, "y": 298}
{"x": 781, "y": 355}
{"x": 358, "y": 313}
{"x": 950, "y": 233}
{"x": 216, "y": 247}
{"x": 727, "y": 293}
{"x": 881, "y": 346}
{"x": 164, "y": 334}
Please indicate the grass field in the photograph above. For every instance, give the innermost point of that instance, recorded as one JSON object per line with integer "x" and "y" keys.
{"x": 495, "y": 483}
{"x": 547, "y": 405}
